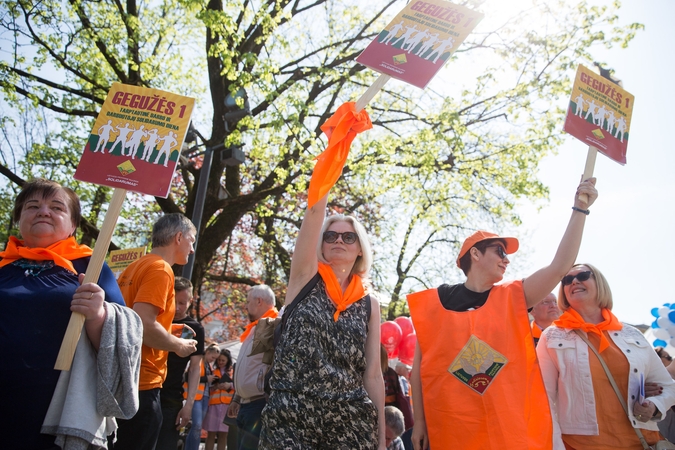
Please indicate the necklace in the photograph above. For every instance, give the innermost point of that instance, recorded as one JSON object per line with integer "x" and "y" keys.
{"x": 33, "y": 268}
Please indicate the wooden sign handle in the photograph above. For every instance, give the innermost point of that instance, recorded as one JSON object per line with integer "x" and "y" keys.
{"x": 372, "y": 91}
{"x": 588, "y": 170}
{"x": 72, "y": 336}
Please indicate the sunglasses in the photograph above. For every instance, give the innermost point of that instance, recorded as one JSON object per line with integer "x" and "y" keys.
{"x": 348, "y": 237}
{"x": 581, "y": 276}
{"x": 500, "y": 250}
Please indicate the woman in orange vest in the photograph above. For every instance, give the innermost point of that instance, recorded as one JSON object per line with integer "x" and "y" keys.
{"x": 221, "y": 397}
{"x": 476, "y": 382}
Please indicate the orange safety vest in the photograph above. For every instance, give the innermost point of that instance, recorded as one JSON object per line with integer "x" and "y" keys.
{"x": 200, "y": 388}
{"x": 481, "y": 383}
{"x": 221, "y": 396}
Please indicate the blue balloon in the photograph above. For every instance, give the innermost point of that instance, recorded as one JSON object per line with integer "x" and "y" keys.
{"x": 659, "y": 343}
{"x": 655, "y": 324}
{"x": 655, "y": 312}
{"x": 672, "y": 306}
{"x": 671, "y": 316}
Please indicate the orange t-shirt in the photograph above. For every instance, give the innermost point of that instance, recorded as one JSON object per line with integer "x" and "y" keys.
{"x": 615, "y": 431}
{"x": 150, "y": 280}
{"x": 481, "y": 383}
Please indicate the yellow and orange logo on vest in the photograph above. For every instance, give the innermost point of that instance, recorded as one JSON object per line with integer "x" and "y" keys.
{"x": 477, "y": 365}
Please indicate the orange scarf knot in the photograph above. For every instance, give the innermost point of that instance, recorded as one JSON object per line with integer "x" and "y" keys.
{"x": 354, "y": 292}
{"x": 271, "y": 313}
{"x": 61, "y": 252}
{"x": 572, "y": 320}
{"x": 341, "y": 129}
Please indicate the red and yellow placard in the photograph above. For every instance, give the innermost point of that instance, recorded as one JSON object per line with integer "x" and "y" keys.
{"x": 422, "y": 37}
{"x": 136, "y": 140}
{"x": 118, "y": 260}
{"x": 599, "y": 114}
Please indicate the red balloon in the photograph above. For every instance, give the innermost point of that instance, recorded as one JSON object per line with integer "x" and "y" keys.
{"x": 406, "y": 349}
{"x": 406, "y": 325}
{"x": 390, "y": 337}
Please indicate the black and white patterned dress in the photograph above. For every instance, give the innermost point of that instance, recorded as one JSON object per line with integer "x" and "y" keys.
{"x": 318, "y": 399}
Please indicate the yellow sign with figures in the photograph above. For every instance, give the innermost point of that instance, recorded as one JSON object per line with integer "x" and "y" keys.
{"x": 136, "y": 140}
{"x": 118, "y": 260}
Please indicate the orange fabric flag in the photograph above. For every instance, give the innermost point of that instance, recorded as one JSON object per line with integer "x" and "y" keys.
{"x": 341, "y": 129}
{"x": 62, "y": 253}
{"x": 354, "y": 292}
{"x": 271, "y": 313}
{"x": 572, "y": 319}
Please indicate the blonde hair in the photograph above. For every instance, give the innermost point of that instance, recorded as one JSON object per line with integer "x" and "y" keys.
{"x": 604, "y": 296}
{"x": 362, "y": 264}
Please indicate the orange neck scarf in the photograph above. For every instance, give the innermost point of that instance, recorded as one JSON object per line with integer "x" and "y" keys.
{"x": 572, "y": 320}
{"x": 62, "y": 253}
{"x": 341, "y": 129}
{"x": 536, "y": 331}
{"x": 271, "y": 313}
{"x": 354, "y": 292}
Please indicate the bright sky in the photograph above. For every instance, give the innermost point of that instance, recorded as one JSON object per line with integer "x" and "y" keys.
{"x": 627, "y": 233}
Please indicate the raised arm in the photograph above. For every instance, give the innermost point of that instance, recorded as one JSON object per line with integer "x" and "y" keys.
{"x": 305, "y": 264}
{"x": 540, "y": 283}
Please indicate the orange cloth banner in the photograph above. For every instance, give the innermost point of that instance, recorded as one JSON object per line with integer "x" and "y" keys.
{"x": 341, "y": 129}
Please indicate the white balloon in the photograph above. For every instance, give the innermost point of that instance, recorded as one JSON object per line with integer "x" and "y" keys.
{"x": 664, "y": 322}
{"x": 663, "y": 311}
{"x": 662, "y": 334}
{"x": 672, "y": 342}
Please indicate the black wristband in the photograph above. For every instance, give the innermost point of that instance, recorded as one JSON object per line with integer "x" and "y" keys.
{"x": 582, "y": 211}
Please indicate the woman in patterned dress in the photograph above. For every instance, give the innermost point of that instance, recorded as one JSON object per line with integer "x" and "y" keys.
{"x": 326, "y": 384}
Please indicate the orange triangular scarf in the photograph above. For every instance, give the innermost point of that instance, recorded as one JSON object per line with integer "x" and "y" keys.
{"x": 354, "y": 292}
{"x": 572, "y": 320}
{"x": 62, "y": 253}
{"x": 536, "y": 331}
{"x": 341, "y": 129}
{"x": 271, "y": 313}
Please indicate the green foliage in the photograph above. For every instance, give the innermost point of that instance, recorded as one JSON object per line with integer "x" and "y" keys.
{"x": 438, "y": 163}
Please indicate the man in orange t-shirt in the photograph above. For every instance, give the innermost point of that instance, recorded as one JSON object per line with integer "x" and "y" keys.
{"x": 148, "y": 287}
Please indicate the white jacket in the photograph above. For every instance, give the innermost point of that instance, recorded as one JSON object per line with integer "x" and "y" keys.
{"x": 563, "y": 358}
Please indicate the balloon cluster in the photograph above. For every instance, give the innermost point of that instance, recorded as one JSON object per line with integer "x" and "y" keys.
{"x": 399, "y": 338}
{"x": 664, "y": 325}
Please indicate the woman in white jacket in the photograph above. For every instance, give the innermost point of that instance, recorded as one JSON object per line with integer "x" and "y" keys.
{"x": 587, "y": 414}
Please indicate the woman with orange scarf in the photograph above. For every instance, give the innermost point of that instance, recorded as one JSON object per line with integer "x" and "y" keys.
{"x": 327, "y": 388}
{"x": 39, "y": 287}
{"x": 587, "y": 413}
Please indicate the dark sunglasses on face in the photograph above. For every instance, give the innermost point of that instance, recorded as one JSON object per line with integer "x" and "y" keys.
{"x": 348, "y": 237}
{"x": 500, "y": 250}
{"x": 581, "y": 276}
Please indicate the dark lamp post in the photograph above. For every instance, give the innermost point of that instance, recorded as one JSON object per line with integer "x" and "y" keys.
{"x": 231, "y": 156}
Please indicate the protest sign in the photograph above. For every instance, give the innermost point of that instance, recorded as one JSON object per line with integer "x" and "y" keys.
{"x": 118, "y": 260}
{"x": 420, "y": 39}
{"x": 599, "y": 114}
{"x": 136, "y": 140}
{"x": 147, "y": 128}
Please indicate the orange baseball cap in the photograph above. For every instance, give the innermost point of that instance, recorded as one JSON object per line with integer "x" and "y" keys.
{"x": 511, "y": 242}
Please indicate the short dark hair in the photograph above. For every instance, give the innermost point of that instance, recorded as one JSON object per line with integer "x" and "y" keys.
{"x": 168, "y": 226}
{"x": 181, "y": 284}
{"x": 43, "y": 188}
{"x": 465, "y": 261}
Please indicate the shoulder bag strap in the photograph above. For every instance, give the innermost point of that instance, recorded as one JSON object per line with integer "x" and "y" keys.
{"x": 614, "y": 386}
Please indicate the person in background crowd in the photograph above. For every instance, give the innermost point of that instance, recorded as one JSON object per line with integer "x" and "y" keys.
{"x": 394, "y": 426}
{"x": 475, "y": 360}
{"x": 201, "y": 404}
{"x": 544, "y": 313}
{"x": 393, "y": 389}
{"x": 221, "y": 396}
{"x": 327, "y": 359}
{"x": 175, "y": 415}
{"x": 249, "y": 398}
{"x": 667, "y": 425}
{"x": 586, "y": 410}
{"x": 40, "y": 278}
{"x": 148, "y": 287}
